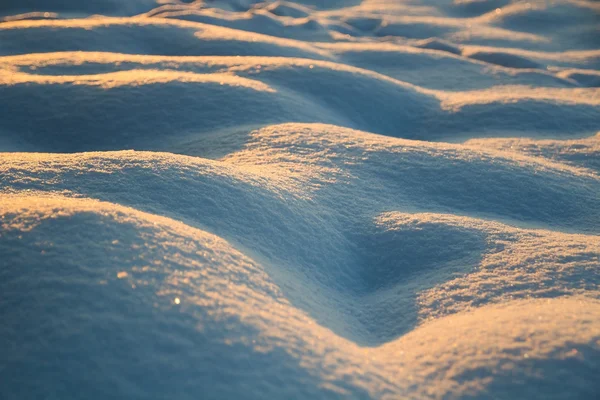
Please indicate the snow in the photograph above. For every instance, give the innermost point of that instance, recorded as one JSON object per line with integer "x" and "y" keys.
{"x": 315, "y": 199}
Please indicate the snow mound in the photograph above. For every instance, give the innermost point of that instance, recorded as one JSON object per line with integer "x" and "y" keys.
{"x": 218, "y": 324}
{"x": 440, "y": 177}
{"x": 504, "y": 59}
{"x": 580, "y": 153}
{"x": 75, "y": 7}
{"x": 145, "y": 99}
{"x": 147, "y": 282}
{"x": 281, "y": 208}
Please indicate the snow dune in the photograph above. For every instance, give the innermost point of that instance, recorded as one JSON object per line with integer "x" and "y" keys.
{"x": 313, "y": 199}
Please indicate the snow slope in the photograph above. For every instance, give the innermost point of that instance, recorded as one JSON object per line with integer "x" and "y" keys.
{"x": 316, "y": 199}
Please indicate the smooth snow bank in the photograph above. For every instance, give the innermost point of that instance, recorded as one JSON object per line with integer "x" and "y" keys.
{"x": 315, "y": 199}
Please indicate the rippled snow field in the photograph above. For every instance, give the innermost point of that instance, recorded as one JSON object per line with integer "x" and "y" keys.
{"x": 234, "y": 199}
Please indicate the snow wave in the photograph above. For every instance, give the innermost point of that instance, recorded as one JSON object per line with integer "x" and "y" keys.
{"x": 218, "y": 324}
{"x": 325, "y": 199}
{"x": 236, "y": 92}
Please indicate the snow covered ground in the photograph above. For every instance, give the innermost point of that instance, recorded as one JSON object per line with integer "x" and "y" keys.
{"x": 234, "y": 199}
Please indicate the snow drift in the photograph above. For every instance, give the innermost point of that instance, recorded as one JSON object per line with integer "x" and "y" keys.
{"x": 314, "y": 199}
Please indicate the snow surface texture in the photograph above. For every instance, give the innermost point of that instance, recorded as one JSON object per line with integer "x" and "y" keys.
{"x": 233, "y": 199}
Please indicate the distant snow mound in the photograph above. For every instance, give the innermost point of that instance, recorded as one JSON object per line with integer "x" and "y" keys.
{"x": 76, "y": 7}
{"x": 504, "y": 59}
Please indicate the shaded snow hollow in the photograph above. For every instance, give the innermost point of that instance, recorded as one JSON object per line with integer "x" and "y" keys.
{"x": 234, "y": 199}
